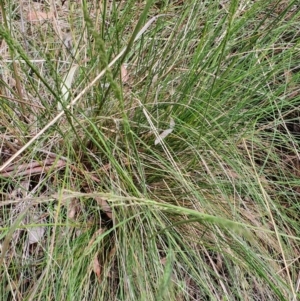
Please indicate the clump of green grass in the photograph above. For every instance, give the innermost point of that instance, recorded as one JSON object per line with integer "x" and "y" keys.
{"x": 93, "y": 208}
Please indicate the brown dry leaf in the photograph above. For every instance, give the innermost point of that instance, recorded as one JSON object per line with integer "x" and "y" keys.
{"x": 34, "y": 16}
{"x": 104, "y": 206}
{"x": 97, "y": 268}
{"x": 35, "y": 234}
{"x": 124, "y": 74}
{"x": 112, "y": 253}
{"x": 165, "y": 133}
{"x": 73, "y": 208}
{"x": 71, "y": 212}
{"x": 163, "y": 260}
{"x": 232, "y": 174}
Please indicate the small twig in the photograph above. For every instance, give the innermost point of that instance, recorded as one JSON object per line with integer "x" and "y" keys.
{"x": 22, "y": 101}
{"x": 27, "y": 166}
{"x": 33, "y": 170}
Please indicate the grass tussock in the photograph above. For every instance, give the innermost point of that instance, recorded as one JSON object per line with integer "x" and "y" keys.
{"x": 169, "y": 173}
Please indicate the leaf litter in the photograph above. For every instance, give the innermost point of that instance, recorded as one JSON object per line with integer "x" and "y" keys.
{"x": 165, "y": 133}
